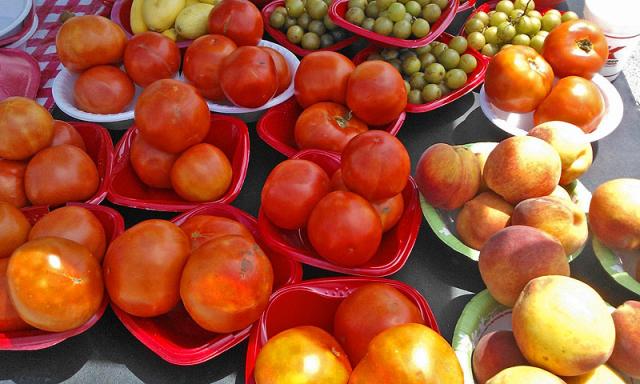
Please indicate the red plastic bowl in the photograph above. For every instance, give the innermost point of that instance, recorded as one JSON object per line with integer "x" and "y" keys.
{"x": 474, "y": 79}
{"x": 34, "y": 339}
{"x": 464, "y": 5}
{"x": 26, "y": 27}
{"x": 175, "y": 337}
{"x": 20, "y": 75}
{"x": 276, "y": 126}
{"x": 281, "y": 38}
{"x": 315, "y": 303}
{"x": 394, "y": 248}
{"x": 228, "y": 133}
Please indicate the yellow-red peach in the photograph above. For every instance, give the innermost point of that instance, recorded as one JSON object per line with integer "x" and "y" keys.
{"x": 614, "y": 214}
{"x": 626, "y": 352}
{"x": 495, "y": 351}
{"x": 481, "y": 217}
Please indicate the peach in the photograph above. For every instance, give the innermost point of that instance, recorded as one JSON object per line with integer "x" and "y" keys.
{"x": 481, "y": 217}
{"x": 601, "y": 375}
{"x": 561, "y": 193}
{"x": 522, "y": 167}
{"x": 495, "y": 351}
{"x": 515, "y": 255}
{"x": 482, "y": 151}
{"x": 614, "y": 213}
{"x": 626, "y": 352}
{"x": 524, "y": 374}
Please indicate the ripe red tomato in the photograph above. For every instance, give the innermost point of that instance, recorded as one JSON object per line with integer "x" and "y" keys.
{"x": 574, "y": 100}
{"x": 291, "y": 191}
{"x": 282, "y": 69}
{"x": 60, "y": 174}
{"x": 202, "y": 64}
{"x": 239, "y": 20}
{"x": 248, "y": 77}
{"x": 14, "y": 229}
{"x": 337, "y": 182}
{"x": 375, "y": 165}
{"x": 344, "y": 229}
{"x": 150, "y": 56}
{"x": 73, "y": 223}
{"x": 152, "y": 165}
{"x": 9, "y": 318}
{"x": 227, "y": 264}
{"x": 142, "y": 268}
{"x": 390, "y": 211}
{"x": 376, "y": 92}
{"x": 518, "y": 79}
{"x": 12, "y": 183}
{"x": 25, "y": 127}
{"x": 327, "y": 126}
{"x": 577, "y": 47}
{"x": 86, "y": 41}
{"x": 172, "y": 116}
{"x": 103, "y": 89}
{"x": 204, "y": 228}
{"x": 201, "y": 173}
{"x": 65, "y": 133}
{"x": 322, "y": 76}
{"x": 55, "y": 284}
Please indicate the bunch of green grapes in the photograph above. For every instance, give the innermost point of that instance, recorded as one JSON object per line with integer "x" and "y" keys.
{"x": 397, "y": 18}
{"x": 512, "y": 23}
{"x": 432, "y": 71}
{"x": 307, "y": 23}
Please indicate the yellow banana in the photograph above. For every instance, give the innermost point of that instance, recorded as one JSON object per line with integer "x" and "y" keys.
{"x": 191, "y": 2}
{"x": 137, "y": 22}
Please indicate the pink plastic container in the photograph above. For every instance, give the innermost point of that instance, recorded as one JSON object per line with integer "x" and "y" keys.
{"x": 175, "y": 337}
{"x": 277, "y": 125}
{"x": 228, "y": 133}
{"x": 316, "y": 302}
{"x": 474, "y": 79}
{"x": 394, "y": 248}
{"x": 20, "y": 74}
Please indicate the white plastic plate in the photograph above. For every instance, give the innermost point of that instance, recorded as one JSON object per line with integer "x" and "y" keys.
{"x": 13, "y": 14}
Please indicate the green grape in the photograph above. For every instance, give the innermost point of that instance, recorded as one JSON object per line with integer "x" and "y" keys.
{"x": 375, "y": 56}
{"x": 397, "y": 64}
{"x": 414, "y": 97}
{"x": 408, "y": 17}
{"x": 476, "y": 40}
{"x": 516, "y": 13}
{"x": 390, "y": 54}
{"x": 328, "y": 23}
{"x": 413, "y": 8}
{"x": 277, "y": 20}
{"x": 326, "y": 40}
{"x": 295, "y": 33}
{"x": 317, "y": 27}
{"x": 438, "y": 48}
{"x": 426, "y": 58}
{"x": 295, "y": 8}
{"x": 383, "y": 26}
{"x": 407, "y": 86}
{"x": 555, "y": 12}
{"x": 506, "y": 46}
{"x": 410, "y": 65}
{"x": 289, "y": 22}
{"x": 491, "y": 35}
{"x": 281, "y": 9}
{"x": 440, "y": 3}
{"x": 569, "y": 15}
{"x": 534, "y": 14}
{"x": 434, "y": 73}
{"x": 521, "y": 39}
{"x": 431, "y": 92}
{"x": 384, "y": 13}
{"x": 405, "y": 53}
{"x": 431, "y": 13}
{"x": 339, "y": 34}
{"x": 482, "y": 16}
{"x": 524, "y": 25}
{"x": 355, "y": 16}
{"x": 444, "y": 90}
{"x": 368, "y": 23}
{"x": 357, "y": 4}
{"x": 396, "y": 12}
{"x": 402, "y": 29}
{"x": 449, "y": 58}
{"x": 384, "y": 4}
{"x": 304, "y": 20}
{"x": 459, "y": 44}
{"x": 490, "y": 49}
{"x": 423, "y": 2}
{"x": 372, "y": 10}
{"x": 506, "y": 32}
{"x": 473, "y": 25}
{"x": 318, "y": 9}
{"x": 420, "y": 28}
{"x": 505, "y": 6}
{"x": 310, "y": 41}
{"x": 550, "y": 21}
{"x": 455, "y": 78}
{"x": 537, "y": 42}
{"x": 542, "y": 33}
{"x": 417, "y": 81}
{"x": 468, "y": 63}
{"x": 536, "y": 26}
{"x": 522, "y": 4}
{"x": 497, "y": 19}
{"x": 423, "y": 49}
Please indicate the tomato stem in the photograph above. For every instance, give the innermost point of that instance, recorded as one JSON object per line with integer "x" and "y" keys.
{"x": 344, "y": 120}
{"x": 585, "y": 45}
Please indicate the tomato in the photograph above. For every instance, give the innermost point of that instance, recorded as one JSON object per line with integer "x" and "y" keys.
{"x": 228, "y": 264}
{"x": 203, "y": 228}
{"x": 55, "y": 284}
{"x": 248, "y": 77}
{"x": 344, "y": 229}
{"x": 172, "y": 116}
{"x": 142, "y": 268}
{"x": 322, "y": 76}
{"x": 202, "y": 64}
{"x": 390, "y": 211}
{"x": 73, "y": 223}
{"x": 304, "y": 354}
{"x": 150, "y": 56}
{"x": 574, "y": 100}
{"x": 65, "y": 133}
{"x": 25, "y": 128}
{"x": 103, "y": 89}
{"x": 327, "y": 126}
{"x": 576, "y": 48}
{"x": 86, "y": 41}
{"x": 60, "y": 174}
{"x": 14, "y": 229}
{"x": 239, "y": 20}
{"x": 152, "y": 165}
{"x": 291, "y": 191}
{"x": 201, "y": 173}
{"x": 337, "y": 182}
{"x": 376, "y": 92}
{"x": 375, "y": 165}
{"x": 12, "y": 183}
{"x": 368, "y": 311}
{"x": 518, "y": 79}
{"x": 9, "y": 318}
{"x": 282, "y": 69}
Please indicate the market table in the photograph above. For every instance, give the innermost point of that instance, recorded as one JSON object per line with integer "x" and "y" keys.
{"x": 108, "y": 353}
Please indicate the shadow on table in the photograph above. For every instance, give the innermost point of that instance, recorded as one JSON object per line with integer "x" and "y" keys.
{"x": 453, "y": 310}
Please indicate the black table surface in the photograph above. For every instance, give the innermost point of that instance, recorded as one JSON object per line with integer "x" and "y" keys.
{"x": 108, "y": 353}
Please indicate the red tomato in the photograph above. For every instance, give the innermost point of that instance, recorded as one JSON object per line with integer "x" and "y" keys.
{"x": 150, "y": 56}
{"x": 327, "y": 126}
{"x": 60, "y": 174}
{"x": 322, "y": 76}
{"x": 291, "y": 191}
{"x": 55, "y": 284}
{"x": 577, "y": 47}
{"x": 375, "y": 165}
{"x": 14, "y": 229}
{"x": 337, "y": 182}
{"x": 376, "y": 92}
{"x": 204, "y": 228}
{"x": 574, "y": 100}
{"x": 390, "y": 211}
{"x": 228, "y": 264}
{"x": 202, "y": 64}
{"x": 142, "y": 268}
{"x": 282, "y": 69}
{"x": 368, "y": 311}
{"x": 152, "y": 165}
{"x": 249, "y": 77}
{"x": 201, "y": 173}
{"x": 65, "y": 133}
{"x": 12, "y": 183}
{"x": 344, "y": 229}
{"x": 172, "y": 116}
{"x": 9, "y": 318}
{"x": 239, "y": 20}
{"x": 73, "y": 223}
{"x": 86, "y": 41}
{"x": 25, "y": 128}
{"x": 103, "y": 89}
{"x": 518, "y": 79}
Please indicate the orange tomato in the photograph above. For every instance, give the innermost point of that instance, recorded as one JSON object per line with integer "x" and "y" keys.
{"x": 14, "y": 229}
{"x": 201, "y": 173}
{"x": 103, "y": 89}
{"x": 65, "y": 133}
{"x": 10, "y": 320}
{"x": 328, "y": 126}
{"x": 12, "y": 183}
{"x": 203, "y": 228}
{"x": 322, "y": 76}
{"x": 390, "y": 211}
{"x": 25, "y": 128}
{"x": 152, "y": 165}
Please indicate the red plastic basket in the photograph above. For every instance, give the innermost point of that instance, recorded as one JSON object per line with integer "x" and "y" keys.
{"x": 175, "y": 337}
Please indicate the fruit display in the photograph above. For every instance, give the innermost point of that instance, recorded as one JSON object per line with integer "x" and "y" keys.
{"x": 175, "y": 19}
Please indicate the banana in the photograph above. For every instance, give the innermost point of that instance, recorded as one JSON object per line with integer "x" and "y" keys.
{"x": 191, "y": 2}
{"x": 137, "y": 22}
